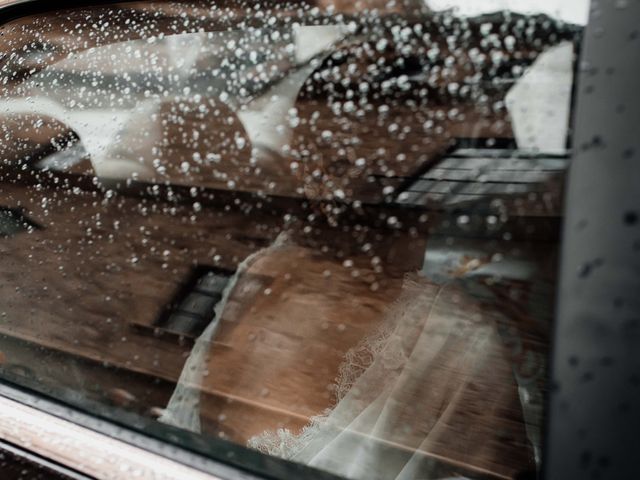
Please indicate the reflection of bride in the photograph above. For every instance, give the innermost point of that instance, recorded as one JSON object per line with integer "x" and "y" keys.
{"x": 434, "y": 383}
{"x": 431, "y": 381}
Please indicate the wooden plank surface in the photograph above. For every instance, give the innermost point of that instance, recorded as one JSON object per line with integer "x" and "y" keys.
{"x": 100, "y": 265}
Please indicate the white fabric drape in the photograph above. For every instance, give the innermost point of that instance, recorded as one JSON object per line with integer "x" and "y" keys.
{"x": 405, "y": 394}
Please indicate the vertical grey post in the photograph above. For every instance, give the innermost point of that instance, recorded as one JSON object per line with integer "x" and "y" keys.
{"x": 594, "y": 423}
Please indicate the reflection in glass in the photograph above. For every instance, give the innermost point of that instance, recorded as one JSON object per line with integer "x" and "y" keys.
{"x": 321, "y": 234}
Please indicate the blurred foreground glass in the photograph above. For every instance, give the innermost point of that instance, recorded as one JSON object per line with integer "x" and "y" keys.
{"x": 325, "y": 232}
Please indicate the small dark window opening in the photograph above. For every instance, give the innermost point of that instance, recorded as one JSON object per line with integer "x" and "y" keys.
{"x": 193, "y": 307}
{"x": 14, "y": 221}
{"x": 476, "y": 174}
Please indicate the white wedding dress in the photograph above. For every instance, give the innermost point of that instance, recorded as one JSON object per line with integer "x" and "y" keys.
{"x": 426, "y": 392}
{"x": 403, "y": 393}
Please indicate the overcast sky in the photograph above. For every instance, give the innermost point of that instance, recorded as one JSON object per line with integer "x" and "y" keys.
{"x": 575, "y": 11}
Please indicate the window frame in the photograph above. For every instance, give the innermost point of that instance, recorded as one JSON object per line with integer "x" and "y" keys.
{"x": 592, "y": 413}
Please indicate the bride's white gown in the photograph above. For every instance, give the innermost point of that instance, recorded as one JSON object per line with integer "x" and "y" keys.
{"x": 435, "y": 382}
{"x": 409, "y": 393}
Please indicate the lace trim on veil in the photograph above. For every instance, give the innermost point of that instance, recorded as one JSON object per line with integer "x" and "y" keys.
{"x": 384, "y": 346}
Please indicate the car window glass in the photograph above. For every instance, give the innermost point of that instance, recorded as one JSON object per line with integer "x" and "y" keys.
{"x": 320, "y": 231}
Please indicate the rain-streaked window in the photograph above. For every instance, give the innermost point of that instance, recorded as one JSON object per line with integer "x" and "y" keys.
{"x": 321, "y": 231}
